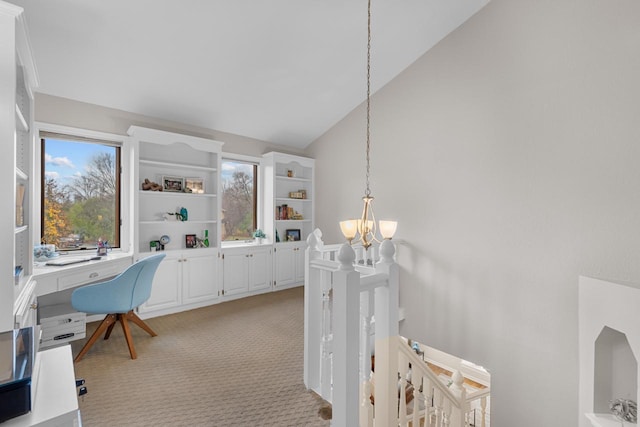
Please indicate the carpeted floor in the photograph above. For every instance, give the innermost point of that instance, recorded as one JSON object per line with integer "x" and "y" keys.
{"x": 237, "y": 363}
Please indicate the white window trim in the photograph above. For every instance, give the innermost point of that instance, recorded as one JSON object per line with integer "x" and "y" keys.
{"x": 126, "y": 162}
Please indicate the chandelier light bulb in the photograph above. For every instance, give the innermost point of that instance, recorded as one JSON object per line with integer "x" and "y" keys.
{"x": 388, "y": 229}
{"x": 349, "y": 229}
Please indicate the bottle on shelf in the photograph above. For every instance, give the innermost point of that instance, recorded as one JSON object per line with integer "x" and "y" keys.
{"x": 205, "y": 239}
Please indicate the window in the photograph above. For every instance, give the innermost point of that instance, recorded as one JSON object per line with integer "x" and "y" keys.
{"x": 80, "y": 192}
{"x": 239, "y": 199}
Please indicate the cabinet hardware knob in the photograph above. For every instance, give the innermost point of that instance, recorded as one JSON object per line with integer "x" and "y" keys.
{"x": 92, "y": 275}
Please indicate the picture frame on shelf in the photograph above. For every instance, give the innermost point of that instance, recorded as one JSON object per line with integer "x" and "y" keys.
{"x": 173, "y": 183}
{"x": 190, "y": 241}
{"x": 293, "y": 235}
{"x": 194, "y": 185}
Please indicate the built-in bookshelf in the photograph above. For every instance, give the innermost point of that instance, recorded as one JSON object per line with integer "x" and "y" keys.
{"x": 175, "y": 174}
{"x": 289, "y": 195}
{"x": 16, "y": 128}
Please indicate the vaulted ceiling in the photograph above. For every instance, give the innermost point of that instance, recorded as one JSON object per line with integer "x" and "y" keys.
{"x": 282, "y": 71}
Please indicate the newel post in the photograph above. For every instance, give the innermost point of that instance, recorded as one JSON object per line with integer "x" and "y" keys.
{"x": 312, "y": 312}
{"x": 458, "y": 416}
{"x": 387, "y": 331}
{"x": 346, "y": 343}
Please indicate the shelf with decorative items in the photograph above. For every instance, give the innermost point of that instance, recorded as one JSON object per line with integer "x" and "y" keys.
{"x": 178, "y": 187}
{"x": 289, "y": 213}
{"x": 289, "y": 208}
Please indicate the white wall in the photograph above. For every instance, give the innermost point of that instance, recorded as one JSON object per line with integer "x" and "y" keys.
{"x": 67, "y": 112}
{"x": 509, "y": 154}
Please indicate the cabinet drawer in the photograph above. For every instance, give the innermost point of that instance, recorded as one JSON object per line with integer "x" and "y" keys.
{"x": 89, "y": 275}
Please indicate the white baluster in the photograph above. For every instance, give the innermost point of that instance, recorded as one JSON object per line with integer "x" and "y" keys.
{"x": 366, "y": 407}
{"x": 483, "y": 407}
{"x": 327, "y": 338}
{"x": 373, "y": 254}
{"x": 313, "y": 334}
{"x": 417, "y": 398}
{"x": 366, "y": 308}
{"x": 447, "y": 413}
{"x": 402, "y": 385}
{"x": 437, "y": 403}
{"x": 427, "y": 392}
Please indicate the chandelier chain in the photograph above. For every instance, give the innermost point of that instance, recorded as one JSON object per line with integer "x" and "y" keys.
{"x": 368, "y": 190}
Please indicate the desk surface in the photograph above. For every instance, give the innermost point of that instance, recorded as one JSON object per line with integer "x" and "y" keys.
{"x": 40, "y": 269}
{"x": 55, "y": 402}
{"x": 52, "y": 279}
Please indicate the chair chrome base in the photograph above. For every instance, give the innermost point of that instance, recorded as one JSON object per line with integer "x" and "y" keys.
{"x": 108, "y": 324}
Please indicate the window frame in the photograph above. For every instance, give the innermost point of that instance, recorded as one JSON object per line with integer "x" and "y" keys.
{"x": 124, "y": 203}
{"x": 258, "y": 190}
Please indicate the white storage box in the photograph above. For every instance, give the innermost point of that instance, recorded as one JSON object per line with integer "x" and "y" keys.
{"x": 60, "y": 323}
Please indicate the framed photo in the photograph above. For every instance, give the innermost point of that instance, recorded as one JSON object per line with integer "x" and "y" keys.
{"x": 173, "y": 183}
{"x": 194, "y": 185}
{"x": 293, "y": 235}
{"x": 190, "y": 240}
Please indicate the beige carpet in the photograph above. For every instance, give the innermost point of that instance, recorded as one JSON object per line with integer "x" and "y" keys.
{"x": 237, "y": 363}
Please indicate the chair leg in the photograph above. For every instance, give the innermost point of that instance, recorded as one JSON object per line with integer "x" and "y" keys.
{"x": 107, "y": 322}
{"x": 138, "y": 321}
{"x": 127, "y": 334}
{"x": 109, "y": 330}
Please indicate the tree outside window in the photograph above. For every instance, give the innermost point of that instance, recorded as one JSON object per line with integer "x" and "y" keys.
{"x": 80, "y": 201}
{"x": 239, "y": 197}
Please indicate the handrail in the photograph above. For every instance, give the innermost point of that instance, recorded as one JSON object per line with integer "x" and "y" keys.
{"x": 478, "y": 394}
{"x": 324, "y": 264}
{"x": 424, "y": 369}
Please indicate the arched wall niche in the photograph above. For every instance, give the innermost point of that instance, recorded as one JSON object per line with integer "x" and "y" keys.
{"x": 615, "y": 369}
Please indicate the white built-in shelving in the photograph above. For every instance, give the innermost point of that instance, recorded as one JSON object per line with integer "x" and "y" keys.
{"x": 289, "y": 213}
{"x": 166, "y": 155}
{"x": 187, "y": 277}
{"x": 16, "y": 164}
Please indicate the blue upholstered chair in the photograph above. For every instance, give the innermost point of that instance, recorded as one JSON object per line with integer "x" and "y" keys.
{"x": 118, "y": 297}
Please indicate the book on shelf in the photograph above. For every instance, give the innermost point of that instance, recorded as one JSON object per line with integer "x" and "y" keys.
{"x": 284, "y": 212}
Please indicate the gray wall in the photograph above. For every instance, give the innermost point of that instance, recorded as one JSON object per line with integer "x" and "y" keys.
{"x": 509, "y": 154}
{"x": 67, "y": 112}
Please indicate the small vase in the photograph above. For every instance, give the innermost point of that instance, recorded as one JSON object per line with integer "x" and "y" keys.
{"x": 258, "y": 240}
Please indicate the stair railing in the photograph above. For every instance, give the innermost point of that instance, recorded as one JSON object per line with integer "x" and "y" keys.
{"x": 339, "y": 336}
{"x": 433, "y": 403}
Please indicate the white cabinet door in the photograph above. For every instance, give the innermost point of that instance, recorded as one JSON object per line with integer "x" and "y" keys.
{"x": 259, "y": 268}
{"x": 235, "y": 273}
{"x": 299, "y": 263}
{"x": 165, "y": 292}
{"x": 284, "y": 265}
{"x": 289, "y": 265}
{"x": 199, "y": 278}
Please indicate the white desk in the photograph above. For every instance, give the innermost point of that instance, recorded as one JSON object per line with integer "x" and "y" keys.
{"x": 52, "y": 279}
{"x": 55, "y": 402}
{"x": 54, "y": 285}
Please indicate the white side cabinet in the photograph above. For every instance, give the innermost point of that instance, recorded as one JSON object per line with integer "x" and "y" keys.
{"x": 246, "y": 269}
{"x": 184, "y": 280}
{"x": 289, "y": 265}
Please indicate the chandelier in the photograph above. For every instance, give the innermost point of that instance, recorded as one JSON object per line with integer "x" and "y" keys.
{"x": 364, "y": 230}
